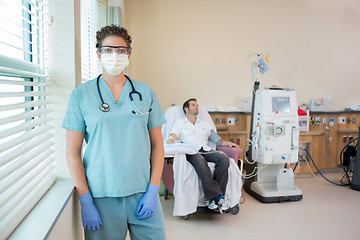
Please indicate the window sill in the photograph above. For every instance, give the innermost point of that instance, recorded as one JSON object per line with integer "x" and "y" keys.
{"x": 42, "y": 218}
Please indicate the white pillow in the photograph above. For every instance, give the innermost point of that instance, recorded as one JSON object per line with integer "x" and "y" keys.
{"x": 179, "y": 148}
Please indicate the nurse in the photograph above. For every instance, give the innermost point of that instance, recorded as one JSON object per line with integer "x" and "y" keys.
{"x": 118, "y": 178}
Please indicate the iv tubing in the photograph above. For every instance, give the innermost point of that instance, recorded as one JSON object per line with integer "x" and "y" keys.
{"x": 321, "y": 173}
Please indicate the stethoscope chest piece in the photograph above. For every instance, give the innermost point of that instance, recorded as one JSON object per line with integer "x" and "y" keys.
{"x": 105, "y": 107}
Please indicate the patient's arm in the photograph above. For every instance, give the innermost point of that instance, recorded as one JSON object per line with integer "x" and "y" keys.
{"x": 223, "y": 143}
{"x": 172, "y": 138}
{"x": 214, "y": 137}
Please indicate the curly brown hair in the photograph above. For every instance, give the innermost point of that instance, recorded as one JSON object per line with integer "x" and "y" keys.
{"x": 112, "y": 30}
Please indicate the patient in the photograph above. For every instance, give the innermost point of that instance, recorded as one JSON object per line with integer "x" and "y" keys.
{"x": 192, "y": 131}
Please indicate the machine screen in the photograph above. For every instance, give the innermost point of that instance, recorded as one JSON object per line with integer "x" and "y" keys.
{"x": 281, "y": 104}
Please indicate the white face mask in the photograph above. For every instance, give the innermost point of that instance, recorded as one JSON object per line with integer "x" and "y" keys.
{"x": 114, "y": 63}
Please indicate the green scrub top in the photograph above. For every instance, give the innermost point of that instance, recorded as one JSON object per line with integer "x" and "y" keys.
{"x": 117, "y": 155}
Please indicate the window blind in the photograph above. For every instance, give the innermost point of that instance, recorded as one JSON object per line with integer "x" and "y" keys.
{"x": 93, "y": 17}
{"x": 26, "y": 163}
{"x": 114, "y": 15}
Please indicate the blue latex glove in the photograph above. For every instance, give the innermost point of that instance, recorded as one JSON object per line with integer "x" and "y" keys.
{"x": 147, "y": 203}
{"x": 89, "y": 214}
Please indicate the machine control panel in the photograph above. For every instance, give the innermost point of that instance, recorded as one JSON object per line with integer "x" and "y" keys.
{"x": 275, "y": 126}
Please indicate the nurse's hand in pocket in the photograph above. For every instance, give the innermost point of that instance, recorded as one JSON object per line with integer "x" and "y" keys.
{"x": 148, "y": 202}
{"x": 89, "y": 214}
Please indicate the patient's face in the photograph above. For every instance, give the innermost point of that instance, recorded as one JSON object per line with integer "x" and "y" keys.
{"x": 193, "y": 108}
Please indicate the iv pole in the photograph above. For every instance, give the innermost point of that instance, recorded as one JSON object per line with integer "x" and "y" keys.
{"x": 255, "y": 75}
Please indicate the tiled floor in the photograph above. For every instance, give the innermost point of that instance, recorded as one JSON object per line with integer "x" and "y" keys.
{"x": 325, "y": 212}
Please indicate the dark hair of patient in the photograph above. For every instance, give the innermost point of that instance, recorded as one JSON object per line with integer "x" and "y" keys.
{"x": 187, "y": 103}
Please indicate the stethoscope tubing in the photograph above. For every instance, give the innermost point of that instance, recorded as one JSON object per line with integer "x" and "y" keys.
{"x": 104, "y": 107}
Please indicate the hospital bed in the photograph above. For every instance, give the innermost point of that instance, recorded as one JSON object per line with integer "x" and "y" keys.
{"x": 180, "y": 178}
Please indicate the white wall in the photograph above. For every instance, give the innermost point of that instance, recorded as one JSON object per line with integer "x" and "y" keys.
{"x": 201, "y": 48}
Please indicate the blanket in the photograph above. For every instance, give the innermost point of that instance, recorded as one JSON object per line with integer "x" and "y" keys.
{"x": 188, "y": 194}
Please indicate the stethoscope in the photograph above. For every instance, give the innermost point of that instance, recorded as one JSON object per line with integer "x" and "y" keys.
{"x": 105, "y": 107}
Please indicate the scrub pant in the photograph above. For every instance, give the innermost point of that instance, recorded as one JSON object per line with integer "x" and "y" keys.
{"x": 212, "y": 185}
{"x": 118, "y": 214}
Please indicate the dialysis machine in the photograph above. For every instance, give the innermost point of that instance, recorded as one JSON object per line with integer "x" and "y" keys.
{"x": 274, "y": 141}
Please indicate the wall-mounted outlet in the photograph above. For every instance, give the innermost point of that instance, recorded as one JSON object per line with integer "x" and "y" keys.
{"x": 303, "y": 155}
{"x": 341, "y": 120}
{"x": 231, "y": 121}
{"x": 348, "y": 120}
